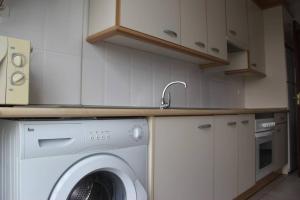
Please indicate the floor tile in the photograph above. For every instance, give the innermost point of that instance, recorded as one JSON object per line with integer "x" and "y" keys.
{"x": 284, "y": 188}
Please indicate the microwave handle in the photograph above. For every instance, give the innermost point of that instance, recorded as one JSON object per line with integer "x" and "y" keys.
{"x": 3, "y": 48}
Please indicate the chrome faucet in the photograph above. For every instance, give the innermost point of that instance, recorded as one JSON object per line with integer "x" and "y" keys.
{"x": 166, "y": 104}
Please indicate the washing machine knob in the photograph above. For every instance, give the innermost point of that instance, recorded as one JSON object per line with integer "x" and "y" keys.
{"x": 137, "y": 133}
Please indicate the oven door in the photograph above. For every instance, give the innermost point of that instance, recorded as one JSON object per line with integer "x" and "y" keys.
{"x": 264, "y": 154}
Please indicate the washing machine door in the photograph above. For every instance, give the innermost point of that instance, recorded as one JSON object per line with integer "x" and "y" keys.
{"x": 102, "y": 177}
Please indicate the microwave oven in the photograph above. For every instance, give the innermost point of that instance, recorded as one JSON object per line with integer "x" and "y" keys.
{"x": 14, "y": 71}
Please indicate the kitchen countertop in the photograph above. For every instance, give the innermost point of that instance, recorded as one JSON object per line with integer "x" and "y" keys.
{"x": 86, "y": 112}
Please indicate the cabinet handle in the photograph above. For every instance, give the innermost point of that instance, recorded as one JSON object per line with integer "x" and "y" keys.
{"x": 254, "y": 65}
{"x": 231, "y": 123}
{"x": 200, "y": 44}
{"x": 232, "y": 32}
{"x": 245, "y": 122}
{"x": 171, "y": 33}
{"x": 205, "y": 126}
{"x": 216, "y": 50}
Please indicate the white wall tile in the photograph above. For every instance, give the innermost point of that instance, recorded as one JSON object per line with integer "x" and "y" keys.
{"x": 63, "y": 26}
{"x": 26, "y": 20}
{"x": 194, "y": 90}
{"x": 61, "y": 79}
{"x": 141, "y": 79}
{"x": 55, "y": 29}
{"x": 117, "y": 76}
{"x": 179, "y": 72}
{"x": 161, "y": 77}
{"x": 36, "y": 76}
{"x": 93, "y": 74}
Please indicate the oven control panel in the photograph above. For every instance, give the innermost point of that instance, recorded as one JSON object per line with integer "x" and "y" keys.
{"x": 264, "y": 124}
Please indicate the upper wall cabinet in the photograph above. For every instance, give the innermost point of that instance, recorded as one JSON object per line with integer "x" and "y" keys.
{"x": 250, "y": 62}
{"x": 194, "y": 24}
{"x": 158, "y": 18}
{"x": 216, "y": 26}
{"x": 237, "y": 23}
{"x": 175, "y": 28}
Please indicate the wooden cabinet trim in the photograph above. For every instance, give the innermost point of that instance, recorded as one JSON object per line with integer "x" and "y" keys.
{"x": 118, "y": 12}
{"x": 259, "y": 186}
{"x": 246, "y": 72}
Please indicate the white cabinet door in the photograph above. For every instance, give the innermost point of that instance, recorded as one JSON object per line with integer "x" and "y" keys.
{"x": 158, "y": 18}
{"x": 237, "y": 23}
{"x": 280, "y": 146}
{"x": 183, "y": 158}
{"x": 193, "y": 24}
{"x": 256, "y": 37}
{"x": 216, "y": 28}
{"x": 225, "y": 158}
{"x": 246, "y": 152}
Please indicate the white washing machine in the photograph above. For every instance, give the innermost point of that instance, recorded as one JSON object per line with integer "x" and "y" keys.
{"x": 74, "y": 160}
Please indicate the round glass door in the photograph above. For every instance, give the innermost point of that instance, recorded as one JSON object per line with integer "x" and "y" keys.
{"x": 99, "y": 186}
{"x": 101, "y": 177}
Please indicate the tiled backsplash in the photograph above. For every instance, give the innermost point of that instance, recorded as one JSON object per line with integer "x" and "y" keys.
{"x": 111, "y": 75}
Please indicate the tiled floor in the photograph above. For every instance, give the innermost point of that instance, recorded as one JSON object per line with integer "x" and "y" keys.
{"x": 284, "y": 188}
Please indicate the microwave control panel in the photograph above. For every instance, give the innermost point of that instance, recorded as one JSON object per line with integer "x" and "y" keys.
{"x": 18, "y": 61}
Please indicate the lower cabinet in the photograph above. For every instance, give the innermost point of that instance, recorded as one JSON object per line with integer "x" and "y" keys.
{"x": 203, "y": 158}
{"x": 225, "y": 158}
{"x": 183, "y": 158}
{"x": 246, "y": 152}
{"x": 280, "y": 146}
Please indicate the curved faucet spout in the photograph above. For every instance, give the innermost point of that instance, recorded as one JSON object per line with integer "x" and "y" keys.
{"x": 166, "y": 104}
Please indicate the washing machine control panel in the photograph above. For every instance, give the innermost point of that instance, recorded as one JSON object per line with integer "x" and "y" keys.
{"x": 126, "y": 133}
{"x": 99, "y": 135}
{"x": 50, "y": 138}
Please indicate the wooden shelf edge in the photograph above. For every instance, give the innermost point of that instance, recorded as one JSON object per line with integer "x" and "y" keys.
{"x": 97, "y": 37}
{"x": 119, "y": 30}
{"x": 266, "y": 4}
{"x": 246, "y": 72}
{"x": 259, "y": 186}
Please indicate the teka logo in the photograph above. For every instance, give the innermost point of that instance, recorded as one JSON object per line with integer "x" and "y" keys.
{"x": 30, "y": 130}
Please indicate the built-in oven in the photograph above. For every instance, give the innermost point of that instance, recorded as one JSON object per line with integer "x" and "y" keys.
{"x": 264, "y": 145}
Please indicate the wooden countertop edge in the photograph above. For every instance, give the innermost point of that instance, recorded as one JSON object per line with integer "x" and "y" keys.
{"x": 41, "y": 112}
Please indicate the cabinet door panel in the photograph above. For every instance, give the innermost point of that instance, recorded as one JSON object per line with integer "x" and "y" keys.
{"x": 237, "y": 23}
{"x": 246, "y": 152}
{"x": 225, "y": 158}
{"x": 159, "y": 18}
{"x": 193, "y": 24}
{"x": 216, "y": 28}
{"x": 256, "y": 37}
{"x": 183, "y": 158}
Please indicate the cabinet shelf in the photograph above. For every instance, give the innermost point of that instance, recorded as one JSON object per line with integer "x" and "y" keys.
{"x": 246, "y": 73}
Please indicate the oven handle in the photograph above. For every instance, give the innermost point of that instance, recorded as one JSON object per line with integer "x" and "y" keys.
{"x": 263, "y": 134}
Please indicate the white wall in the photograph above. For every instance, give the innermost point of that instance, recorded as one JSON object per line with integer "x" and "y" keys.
{"x": 272, "y": 90}
{"x": 112, "y": 75}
